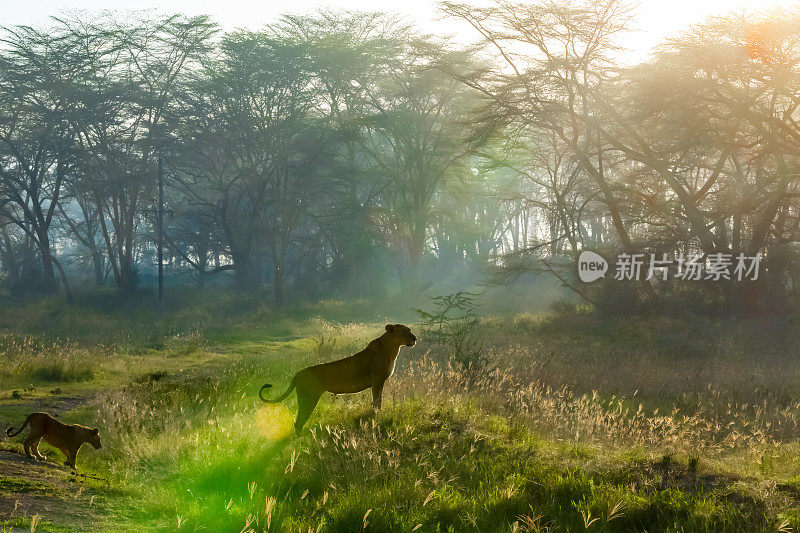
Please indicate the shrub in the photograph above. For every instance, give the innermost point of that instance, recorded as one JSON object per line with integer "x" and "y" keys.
{"x": 60, "y": 372}
{"x": 451, "y": 323}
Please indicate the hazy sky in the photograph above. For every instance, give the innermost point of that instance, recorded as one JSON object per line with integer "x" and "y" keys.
{"x": 655, "y": 18}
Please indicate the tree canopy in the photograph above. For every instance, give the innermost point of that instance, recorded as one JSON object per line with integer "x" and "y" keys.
{"x": 344, "y": 153}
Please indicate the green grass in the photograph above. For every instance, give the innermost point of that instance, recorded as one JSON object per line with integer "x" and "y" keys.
{"x": 458, "y": 474}
{"x": 439, "y": 467}
{"x": 25, "y": 523}
{"x": 573, "y": 423}
{"x": 60, "y": 373}
{"x": 13, "y": 484}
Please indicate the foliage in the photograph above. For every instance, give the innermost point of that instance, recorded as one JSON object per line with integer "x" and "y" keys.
{"x": 452, "y": 324}
{"x": 348, "y": 154}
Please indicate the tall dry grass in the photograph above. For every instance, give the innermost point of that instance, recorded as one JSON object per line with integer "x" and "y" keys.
{"x": 27, "y": 358}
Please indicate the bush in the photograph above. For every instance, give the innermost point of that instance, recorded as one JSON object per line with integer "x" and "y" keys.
{"x": 451, "y": 324}
{"x": 59, "y": 372}
{"x": 616, "y": 299}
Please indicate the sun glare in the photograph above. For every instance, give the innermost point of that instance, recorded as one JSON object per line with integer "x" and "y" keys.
{"x": 274, "y": 421}
{"x": 655, "y": 21}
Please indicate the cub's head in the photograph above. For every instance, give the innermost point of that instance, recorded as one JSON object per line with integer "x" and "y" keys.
{"x": 402, "y": 334}
{"x": 94, "y": 438}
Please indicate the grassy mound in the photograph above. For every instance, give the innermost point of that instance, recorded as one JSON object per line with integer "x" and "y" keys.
{"x": 436, "y": 467}
{"x": 564, "y": 422}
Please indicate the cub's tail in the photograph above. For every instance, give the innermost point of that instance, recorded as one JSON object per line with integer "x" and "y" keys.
{"x": 24, "y": 425}
{"x": 279, "y": 398}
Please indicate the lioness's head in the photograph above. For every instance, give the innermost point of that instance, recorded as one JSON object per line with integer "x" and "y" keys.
{"x": 402, "y": 334}
{"x": 94, "y": 438}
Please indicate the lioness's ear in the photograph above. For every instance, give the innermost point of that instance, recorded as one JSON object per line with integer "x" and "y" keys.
{"x": 389, "y": 327}
{"x": 96, "y": 431}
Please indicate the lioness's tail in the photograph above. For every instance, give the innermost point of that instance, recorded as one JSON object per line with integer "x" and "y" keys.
{"x": 24, "y": 424}
{"x": 279, "y": 398}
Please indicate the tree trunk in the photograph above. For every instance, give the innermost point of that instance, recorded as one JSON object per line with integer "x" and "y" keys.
{"x": 278, "y": 283}
{"x": 247, "y": 274}
{"x": 47, "y": 259}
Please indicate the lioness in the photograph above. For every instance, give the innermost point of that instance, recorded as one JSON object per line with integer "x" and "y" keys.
{"x": 368, "y": 368}
{"x": 67, "y": 438}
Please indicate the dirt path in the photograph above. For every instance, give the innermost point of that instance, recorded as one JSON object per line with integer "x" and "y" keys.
{"x": 46, "y": 489}
{"x": 62, "y": 500}
{"x": 55, "y": 405}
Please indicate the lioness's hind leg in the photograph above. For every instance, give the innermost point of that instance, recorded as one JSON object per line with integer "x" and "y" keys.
{"x": 306, "y": 402}
{"x": 27, "y": 446}
{"x": 34, "y": 447}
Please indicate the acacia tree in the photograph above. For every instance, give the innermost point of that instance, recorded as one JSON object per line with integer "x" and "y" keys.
{"x": 555, "y": 57}
{"x": 349, "y": 56}
{"x": 82, "y": 227}
{"x": 737, "y": 79}
{"x": 250, "y": 154}
{"x": 193, "y": 235}
{"x": 118, "y": 114}
{"x": 422, "y": 113}
{"x": 682, "y": 139}
{"x": 38, "y": 72}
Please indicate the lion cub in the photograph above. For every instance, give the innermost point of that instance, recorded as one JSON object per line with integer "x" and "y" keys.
{"x": 67, "y": 438}
{"x": 370, "y": 367}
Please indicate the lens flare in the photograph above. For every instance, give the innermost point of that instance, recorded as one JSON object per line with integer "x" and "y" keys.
{"x": 274, "y": 421}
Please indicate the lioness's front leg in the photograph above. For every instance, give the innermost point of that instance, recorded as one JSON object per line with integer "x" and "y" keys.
{"x": 72, "y": 456}
{"x": 377, "y": 392}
